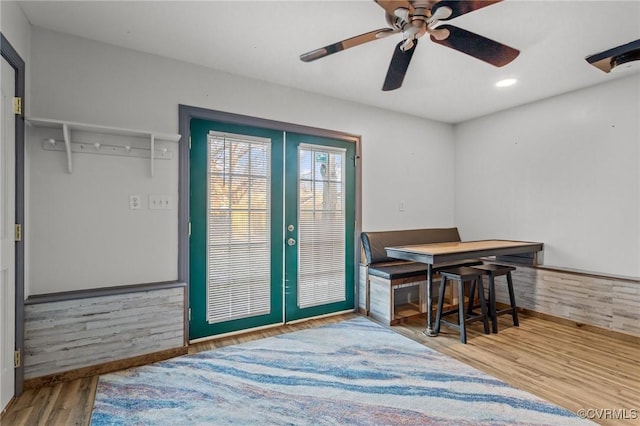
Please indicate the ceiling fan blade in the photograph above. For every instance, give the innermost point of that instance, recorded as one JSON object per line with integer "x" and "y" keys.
{"x": 345, "y": 44}
{"x": 391, "y": 5}
{"x": 461, "y": 7}
{"x": 398, "y": 66}
{"x": 475, "y": 45}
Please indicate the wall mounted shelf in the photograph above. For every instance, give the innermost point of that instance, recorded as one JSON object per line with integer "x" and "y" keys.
{"x": 69, "y": 146}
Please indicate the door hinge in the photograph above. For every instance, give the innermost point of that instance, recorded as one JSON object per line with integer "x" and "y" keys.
{"x": 189, "y": 228}
{"x": 189, "y": 314}
{"x": 17, "y": 105}
{"x": 18, "y": 232}
{"x": 16, "y": 359}
{"x": 189, "y": 142}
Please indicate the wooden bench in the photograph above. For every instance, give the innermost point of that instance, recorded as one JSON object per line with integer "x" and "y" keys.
{"x": 382, "y": 276}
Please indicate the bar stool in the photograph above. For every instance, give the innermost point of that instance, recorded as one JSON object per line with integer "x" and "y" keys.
{"x": 493, "y": 271}
{"x": 461, "y": 275}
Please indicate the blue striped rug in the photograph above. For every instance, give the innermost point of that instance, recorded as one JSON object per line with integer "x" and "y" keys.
{"x": 351, "y": 373}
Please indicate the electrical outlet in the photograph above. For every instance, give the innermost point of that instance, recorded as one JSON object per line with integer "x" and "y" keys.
{"x": 160, "y": 202}
{"x": 134, "y": 202}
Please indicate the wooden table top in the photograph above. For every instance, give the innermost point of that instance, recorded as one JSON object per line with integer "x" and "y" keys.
{"x": 457, "y": 246}
{"x": 430, "y": 253}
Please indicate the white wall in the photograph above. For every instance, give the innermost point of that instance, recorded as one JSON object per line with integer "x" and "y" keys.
{"x": 82, "y": 229}
{"x": 403, "y": 158}
{"x": 563, "y": 171}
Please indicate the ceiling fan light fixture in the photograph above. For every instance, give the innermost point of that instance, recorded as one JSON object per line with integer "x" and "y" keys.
{"x": 626, "y": 61}
{"x": 507, "y": 82}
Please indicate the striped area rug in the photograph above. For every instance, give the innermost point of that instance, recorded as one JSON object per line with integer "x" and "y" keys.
{"x": 351, "y": 373}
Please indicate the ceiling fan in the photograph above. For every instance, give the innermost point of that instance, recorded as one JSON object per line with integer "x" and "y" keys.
{"x": 415, "y": 18}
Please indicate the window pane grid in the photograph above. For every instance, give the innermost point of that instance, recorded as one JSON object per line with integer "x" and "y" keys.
{"x": 321, "y": 225}
{"x": 238, "y": 227}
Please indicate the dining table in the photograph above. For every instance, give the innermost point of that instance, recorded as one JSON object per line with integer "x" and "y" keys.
{"x": 434, "y": 254}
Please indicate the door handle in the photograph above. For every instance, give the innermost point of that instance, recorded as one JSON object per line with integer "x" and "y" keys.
{"x": 291, "y": 242}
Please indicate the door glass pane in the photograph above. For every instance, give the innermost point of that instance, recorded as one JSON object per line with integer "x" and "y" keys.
{"x": 239, "y": 217}
{"x": 321, "y": 226}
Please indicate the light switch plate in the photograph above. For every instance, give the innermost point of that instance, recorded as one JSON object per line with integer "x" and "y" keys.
{"x": 160, "y": 202}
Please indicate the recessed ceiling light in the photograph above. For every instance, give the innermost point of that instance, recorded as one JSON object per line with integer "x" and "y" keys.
{"x": 506, "y": 82}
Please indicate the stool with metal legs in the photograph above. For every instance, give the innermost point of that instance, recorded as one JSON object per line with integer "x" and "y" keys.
{"x": 461, "y": 275}
{"x": 492, "y": 271}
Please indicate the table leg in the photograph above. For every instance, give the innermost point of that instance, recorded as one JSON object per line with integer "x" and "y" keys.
{"x": 429, "y": 331}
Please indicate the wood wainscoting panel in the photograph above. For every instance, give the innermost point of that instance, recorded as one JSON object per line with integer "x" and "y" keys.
{"x": 72, "y": 334}
{"x": 109, "y": 367}
{"x": 626, "y": 307}
{"x": 606, "y": 302}
{"x": 380, "y": 299}
{"x": 363, "y": 286}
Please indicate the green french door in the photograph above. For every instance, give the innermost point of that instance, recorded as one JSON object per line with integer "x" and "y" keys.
{"x": 320, "y": 223}
{"x": 272, "y": 227}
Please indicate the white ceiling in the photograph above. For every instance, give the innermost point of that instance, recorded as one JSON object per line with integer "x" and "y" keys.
{"x": 263, "y": 39}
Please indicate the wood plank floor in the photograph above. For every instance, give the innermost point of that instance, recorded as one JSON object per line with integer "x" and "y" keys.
{"x": 567, "y": 365}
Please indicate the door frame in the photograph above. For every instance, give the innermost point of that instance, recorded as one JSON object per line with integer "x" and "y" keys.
{"x": 185, "y": 114}
{"x": 17, "y": 63}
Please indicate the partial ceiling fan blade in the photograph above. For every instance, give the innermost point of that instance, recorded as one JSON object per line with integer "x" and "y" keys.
{"x": 475, "y": 45}
{"x": 461, "y": 7}
{"x": 398, "y": 66}
{"x": 346, "y": 44}
{"x": 391, "y": 5}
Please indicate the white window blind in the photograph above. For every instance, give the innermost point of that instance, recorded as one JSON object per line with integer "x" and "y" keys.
{"x": 321, "y": 226}
{"x": 239, "y": 227}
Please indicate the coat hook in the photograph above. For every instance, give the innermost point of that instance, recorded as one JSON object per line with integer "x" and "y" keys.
{"x": 52, "y": 141}
{"x": 127, "y": 148}
{"x": 96, "y": 146}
